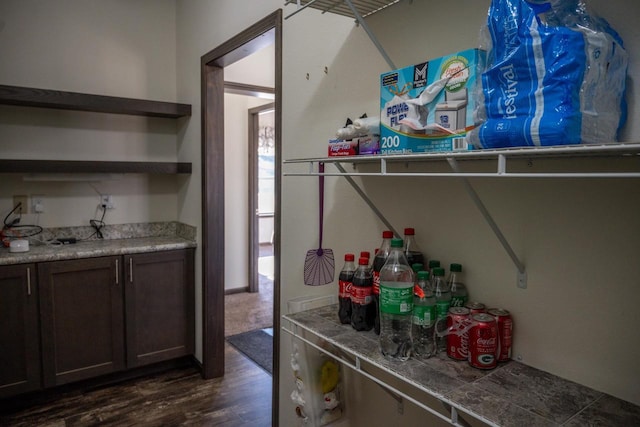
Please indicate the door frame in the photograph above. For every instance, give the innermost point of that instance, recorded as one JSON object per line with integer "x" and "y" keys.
{"x": 254, "y": 219}
{"x": 213, "y": 222}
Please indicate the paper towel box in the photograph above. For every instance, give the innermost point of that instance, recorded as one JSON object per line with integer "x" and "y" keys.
{"x": 429, "y": 106}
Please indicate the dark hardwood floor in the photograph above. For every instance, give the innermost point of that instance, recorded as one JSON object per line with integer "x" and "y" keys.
{"x": 177, "y": 397}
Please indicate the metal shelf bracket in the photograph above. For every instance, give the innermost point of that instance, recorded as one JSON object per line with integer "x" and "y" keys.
{"x": 366, "y": 199}
{"x": 522, "y": 275}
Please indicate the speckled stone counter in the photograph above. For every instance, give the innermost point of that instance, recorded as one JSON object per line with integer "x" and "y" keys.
{"x": 118, "y": 240}
{"x": 513, "y": 394}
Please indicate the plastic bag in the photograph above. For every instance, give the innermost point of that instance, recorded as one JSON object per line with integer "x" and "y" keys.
{"x": 555, "y": 75}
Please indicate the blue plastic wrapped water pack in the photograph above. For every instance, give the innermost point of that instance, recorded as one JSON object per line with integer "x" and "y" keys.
{"x": 555, "y": 75}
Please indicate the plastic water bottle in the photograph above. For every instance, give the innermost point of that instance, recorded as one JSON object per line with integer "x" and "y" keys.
{"x": 443, "y": 302}
{"x": 411, "y": 249}
{"x": 424, "y": 318}
{"x": 396, "y": 304}
{"x": 345, "y": 281}
{"x": 362, "y": 308}
{"x": 459, "y": 293}
{"x": 378, "y": 263}
{"x": 434, "y": 263}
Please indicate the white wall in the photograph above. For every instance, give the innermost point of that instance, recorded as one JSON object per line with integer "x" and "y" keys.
{"x": 109, "y": 48}
{"x": 236, "y": 192}
{"x": 257, "y": 69}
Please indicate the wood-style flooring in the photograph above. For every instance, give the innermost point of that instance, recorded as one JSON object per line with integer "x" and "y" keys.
{"x": 178, "y": 397}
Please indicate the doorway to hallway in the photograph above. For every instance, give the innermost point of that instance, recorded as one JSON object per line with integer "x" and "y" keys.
{"x": 268, "y": 30}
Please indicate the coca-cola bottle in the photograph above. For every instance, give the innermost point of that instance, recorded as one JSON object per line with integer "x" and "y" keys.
{"x": 411, "y": 249}
{"x": 362, "y": 307}
{"x": 378, "y": 262}
{"x": 345, "y": 281}
{"x": 459, "y": 294}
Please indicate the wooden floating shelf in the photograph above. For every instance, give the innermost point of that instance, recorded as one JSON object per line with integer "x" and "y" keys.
{"x": 45, "y": 98}
{"x": 79, "y": 166}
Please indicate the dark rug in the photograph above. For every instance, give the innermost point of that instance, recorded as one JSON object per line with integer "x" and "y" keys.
{"x": 257, "y": 345}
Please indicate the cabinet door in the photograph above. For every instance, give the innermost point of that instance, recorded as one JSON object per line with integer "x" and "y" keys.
{"x": 19, "y": 335}
{"x": 159, "y": 306}
{"x": 82, "y": 319}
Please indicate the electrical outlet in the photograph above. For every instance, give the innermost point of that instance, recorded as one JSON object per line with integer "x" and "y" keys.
{"x": 24, "y": 208}
{"x": 37, "y": 203}
{"x": 106, "y": 200}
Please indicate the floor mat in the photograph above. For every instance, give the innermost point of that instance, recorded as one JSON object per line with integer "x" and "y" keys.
{"x": 257, "y": 345}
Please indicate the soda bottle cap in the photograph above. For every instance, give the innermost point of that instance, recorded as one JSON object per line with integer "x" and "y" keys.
{"x": 417, "y": 266}
{"x": 396, "y": 243}
{"x": 387, "y": 234}
{"x": 434, "y": 263}
{"x": 455, "y": 267}
{"x": 349, "y": 257}
{"x": 423, "y": 275}
{"x": 409, "y": 232}
{"x": 438, "y": 271}
{"x": 363, "y": 261}
{"x": 365, "y": 254}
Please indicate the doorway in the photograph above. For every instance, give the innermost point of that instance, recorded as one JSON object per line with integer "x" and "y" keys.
{"x": 266, "y": 31}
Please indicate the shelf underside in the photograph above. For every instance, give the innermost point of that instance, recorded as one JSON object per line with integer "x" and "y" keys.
{"x": 582, "y": 150}
{"x": 79, "y": 166}
{"x": 339, "y": 7}
{"x": 55, "y": 99}
{"x": 622, "y": 161}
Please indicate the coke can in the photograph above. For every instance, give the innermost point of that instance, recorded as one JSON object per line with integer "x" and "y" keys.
{"x": 483, "y": 341}
{"x": 475, "y": 307}
{"x": 458, "y": 341}
{"x": 505, "y": 333}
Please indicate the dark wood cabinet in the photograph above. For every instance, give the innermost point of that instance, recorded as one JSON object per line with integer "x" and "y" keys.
{"x": 159, "y": 301}
{"x": 65, "y": 321}
{"x": 82, "y": 319}
{"x": 19, "y": 334}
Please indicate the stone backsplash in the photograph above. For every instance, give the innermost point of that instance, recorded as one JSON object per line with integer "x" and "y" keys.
{"x": 122, "y": 231}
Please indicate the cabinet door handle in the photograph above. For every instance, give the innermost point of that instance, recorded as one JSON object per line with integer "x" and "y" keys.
{"x": 117, "y": 280}
{"x": 28, "y": 281}
{"x": 130, "y": 270}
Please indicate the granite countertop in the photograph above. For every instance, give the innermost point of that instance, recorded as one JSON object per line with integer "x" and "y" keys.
{"x": 118, "y": 240}
{"x": 513, "y": 394}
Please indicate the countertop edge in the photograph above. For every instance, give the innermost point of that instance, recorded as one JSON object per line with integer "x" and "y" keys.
{"x": 46, "y": 253}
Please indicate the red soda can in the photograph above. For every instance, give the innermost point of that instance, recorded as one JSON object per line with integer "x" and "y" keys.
{"x": 457, "y": 340}
{"x": 475, "y": 307}
{"x": 483, "y": 341}
{"x": 505, "y": 333}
